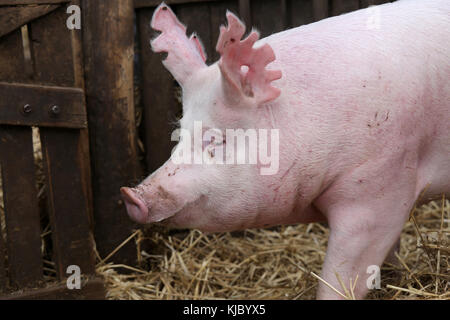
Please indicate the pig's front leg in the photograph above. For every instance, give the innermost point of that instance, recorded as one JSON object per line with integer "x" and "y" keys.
{"x": 349, "y": 256}
{"x": 366, "y": 217}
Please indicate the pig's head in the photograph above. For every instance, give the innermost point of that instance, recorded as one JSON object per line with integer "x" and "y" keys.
{"x": 230, "y": 94}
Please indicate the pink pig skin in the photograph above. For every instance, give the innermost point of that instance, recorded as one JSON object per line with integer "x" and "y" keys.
{"x": 364, "y": 117}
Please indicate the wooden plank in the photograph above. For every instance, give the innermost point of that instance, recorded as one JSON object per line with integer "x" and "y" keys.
{"x": 67, "y": 202}
{"x": 78, "y": 72}
{"x": 56, "y": 52}
{"x": 24, "y": 2}
{"x": 21, "y": 206}
{"x": 343, "y": 6}
{"x": 12, "y": 18}
{"x": 52, "y": 49}
{"x": 159, "y": 99}
{"x": 3, "y": 280}
{"x": 286, "y": 20}
{"x": 218, "y": 18}
{"x": 12, "y": 62}
{"x": 109, "y": 57}
{"x": 93, "y": 289}
{"x": 41, "y": 100}
{"x": 267, "y": 16}
{"x": 366, "y": 3}
{"x": 56, "y": 48}
{"x": 12, "y": 68}
{"x": 301, "y": 12}
{"x": 320, "y": 9}
{"x": 155, "y": 3}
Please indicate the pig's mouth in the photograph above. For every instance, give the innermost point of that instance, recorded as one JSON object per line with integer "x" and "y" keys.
{"x": 139, "y": 211}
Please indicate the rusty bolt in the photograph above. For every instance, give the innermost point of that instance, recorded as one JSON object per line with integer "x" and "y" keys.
{"x": 55, "y": 110}
{"x": 27, "y": 109}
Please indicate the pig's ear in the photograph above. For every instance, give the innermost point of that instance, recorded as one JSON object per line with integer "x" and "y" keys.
{"x": 185, "y": 55}
{"x": 244, "y": 67}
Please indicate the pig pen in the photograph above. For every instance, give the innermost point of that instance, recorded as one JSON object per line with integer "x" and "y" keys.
{"x": 277, "y": 263}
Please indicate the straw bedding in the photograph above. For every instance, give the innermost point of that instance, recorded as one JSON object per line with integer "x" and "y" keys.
{"x": 277, "y": 263}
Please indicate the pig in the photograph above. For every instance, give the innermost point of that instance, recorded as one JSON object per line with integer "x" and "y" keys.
{"x": 361, "y": 104}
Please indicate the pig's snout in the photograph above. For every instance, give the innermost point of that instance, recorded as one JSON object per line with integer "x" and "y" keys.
{"x": 137, "y": 210}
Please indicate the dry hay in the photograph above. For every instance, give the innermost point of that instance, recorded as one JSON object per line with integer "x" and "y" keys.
{"x": 278, "y": 263}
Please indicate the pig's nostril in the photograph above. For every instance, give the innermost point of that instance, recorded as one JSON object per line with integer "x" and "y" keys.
{"x": 136, "y": 208}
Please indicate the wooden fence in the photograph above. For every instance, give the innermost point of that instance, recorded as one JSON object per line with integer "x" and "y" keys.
{"x": 42, "y": 86}
{"x": 78, "y": 88}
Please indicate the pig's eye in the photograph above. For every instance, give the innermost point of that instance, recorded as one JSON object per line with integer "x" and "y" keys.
{"x": 213, "y": 137}
{"x": 213, "y": 142}
{"x": 218, "y": 142}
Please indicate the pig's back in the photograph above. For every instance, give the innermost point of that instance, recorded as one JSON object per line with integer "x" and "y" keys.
{"x": 377, "y": 88}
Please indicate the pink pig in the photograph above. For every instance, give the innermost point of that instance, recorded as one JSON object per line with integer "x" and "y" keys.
{"x": 362, "y": 106}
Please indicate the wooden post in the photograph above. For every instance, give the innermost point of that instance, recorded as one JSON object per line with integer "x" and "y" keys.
{"x": 268, "y": 17}
{"x": 2, "y": 262}
{"x": 21, "y": 207}
{"x": 343, "y": 6}
{"x": 320, "y": 8}
{"x": 245, "y": 12}
{"x": 304, "y": 12}
{"x": 108, "y": 45}
{"x": 366, "y": 3}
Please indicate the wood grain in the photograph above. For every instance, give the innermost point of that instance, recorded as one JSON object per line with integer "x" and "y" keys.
{"x": 300, "y": 12}
{"x": 21, "y": 207}
{"x": 12, "y": 18}
{"x": 34, "y": 2}
{"x": 41, "y": 99}
{"x": 320, "y": 9}
{"x": 67, "y": 202}
{"x": 93, "y": 289}
{"x": 343, "y": 6}
{"x": 267, "y": 16}
{"x": 366, "y": 3}
{"x": 109, "y": 57}
{"x": 155, "y": 3}
{"x": 3, "y": 279}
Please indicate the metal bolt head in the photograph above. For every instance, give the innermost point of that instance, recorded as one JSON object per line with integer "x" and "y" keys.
{"x": 27, "y": 109}
{"x": 55, "y": 110}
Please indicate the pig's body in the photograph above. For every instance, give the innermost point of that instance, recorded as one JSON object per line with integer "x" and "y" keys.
{"x": 364, "y": 120}
{"x": 352, "y": 96}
